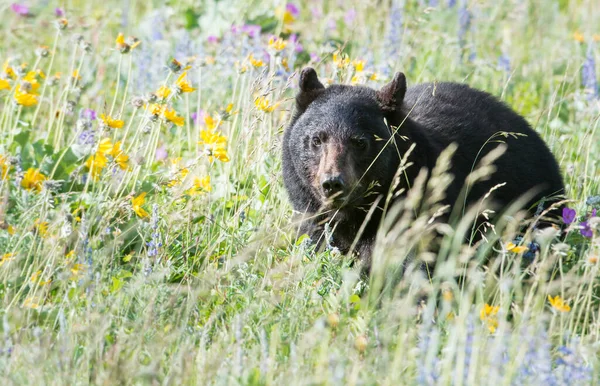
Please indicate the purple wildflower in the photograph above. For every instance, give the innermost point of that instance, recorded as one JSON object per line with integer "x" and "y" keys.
{"x": 89, "y": 114}
{"x": 251, "y": 30}
{"x": 161, "y": 153}
{"x": 350, "y": 16}
{"x": 20, "y": 9}
{"x": 451, "y": 3}
{"x": 59, "y": 12}
{"x": 588, "y": 74}
{"x": 331, "y": 24}
{"x": 586, "y": 230}
{"x": 197, "y": 116}
{"x": 212, "y": 39}
{"x": 294, "y": 40}
{"x": 87, "y": 138}
{"x": 154, "y": 244}
{"x": 314, "y": 57}
{"x": 568, "y": 215}
{"x": 464, "y": 23}
{"x": 292, "y": 9}
{"x": 393, "y": 37}
{"x": 504, "y": 63}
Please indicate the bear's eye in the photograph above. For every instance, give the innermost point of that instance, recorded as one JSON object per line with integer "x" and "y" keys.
{"x": 316, "y": 141}
{"x": 358, "y": 142}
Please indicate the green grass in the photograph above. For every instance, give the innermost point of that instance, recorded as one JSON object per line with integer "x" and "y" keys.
{"x": 229, "y": 295}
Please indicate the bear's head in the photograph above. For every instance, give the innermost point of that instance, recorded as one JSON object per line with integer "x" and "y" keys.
{"x": 342, "y": 140}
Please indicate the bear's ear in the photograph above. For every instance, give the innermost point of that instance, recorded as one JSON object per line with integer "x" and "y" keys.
{"x": 391, "y": 96}
{"x": 310, "y": 88}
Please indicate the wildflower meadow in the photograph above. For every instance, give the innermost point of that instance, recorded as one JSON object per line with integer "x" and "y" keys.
{"x": 146, "y": 237}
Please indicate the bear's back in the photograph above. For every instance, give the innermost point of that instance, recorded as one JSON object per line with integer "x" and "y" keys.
{"x": 474, "y": 120}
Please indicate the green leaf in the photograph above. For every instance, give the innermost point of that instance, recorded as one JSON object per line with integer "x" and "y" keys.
{"x": 191, "y": 19}
{"x": 23, "y": 137}
{"x": 301, "y": 239}
{"x": 116, "y": 285}
{"x": 67, "y": 162}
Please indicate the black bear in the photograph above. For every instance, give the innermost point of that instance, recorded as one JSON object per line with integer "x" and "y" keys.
{"x": 338, "y": 152}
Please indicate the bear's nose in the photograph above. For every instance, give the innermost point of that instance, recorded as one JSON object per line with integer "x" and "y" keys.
{"x": 332, "y": 185}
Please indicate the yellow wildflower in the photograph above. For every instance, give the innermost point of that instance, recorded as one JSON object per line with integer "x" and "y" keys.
{"x": 242, "y": 68}
{"x": 488, "y": 315}
{"x": 255, "y": 62}
{"x": 119, "y": 156}
{"x": 95, "y": 164}
{"x": 359, "y": 65}
{"x": 75, "y": 75}
{"x": 76, "y": 271}
{"x": 559, "y": 304}
{"x": 154, "y": 109}
{"x": 171, "y": 115}
{"x": 35, "y": 278}
{"x": 163, "y": 92}
{"x": 4, "y": 84}
{"x": 374, "y": 77}
{"x": 210, "y": 122}
{"x": 7, "y": 257}
{"x": 179, "y": 177}
{"x": 136, "y": 204}
{"x": 24, "y": 98}
{"x": 31, "y": 303}
{"x": 105, "y": 146}
{"x": 341, "y": 60}
{"x": 183, "y": 85}
{"x": 447, "y": 295}
{"x": 263, "y": 104}
{"x": 214, "y": 145}
{"x": 8, "y": 71}
{"x": 290, "y": 13}
{"x": 278, "y": 44}
{"x": 288, "y": 17}
{"x": 41, "y": 227}
{"x": 32, "y": 82}
{"x": 33, "y": 179}
{"x": 201, "y": 185}
{"x": 512, "y": 247}
{"x": 112, "y": 123}
{"x": 125, "y": 47}
{"x": 578, "y": 36}
{"x": 62, "y": 24}
{"x": 70, "y": 254}
{"x": 4, "y": 167}
{"x": 9, "y": 228}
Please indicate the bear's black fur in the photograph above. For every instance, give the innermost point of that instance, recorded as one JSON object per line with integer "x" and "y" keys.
{"x": 338, "y": 155}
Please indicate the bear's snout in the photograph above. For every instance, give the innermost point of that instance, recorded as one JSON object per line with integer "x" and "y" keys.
{"x": 333, "y": 185}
